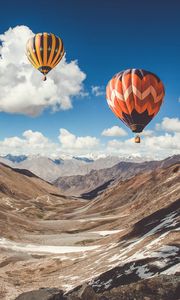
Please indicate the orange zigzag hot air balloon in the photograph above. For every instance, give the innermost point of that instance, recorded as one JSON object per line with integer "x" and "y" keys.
{"x": 44, "y": 51}
{"x": 135, "y": 97}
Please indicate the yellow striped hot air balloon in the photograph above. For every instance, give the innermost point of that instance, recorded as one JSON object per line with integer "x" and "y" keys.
{"x": 44, "y": 51}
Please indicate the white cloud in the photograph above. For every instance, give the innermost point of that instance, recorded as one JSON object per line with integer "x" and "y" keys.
{"x": 152, "y": 146}
{"x": 31, "y": 143}
{"x": 35, "y": 137}
{"x": 124, "y": 148}
{"x": 97, "y": 90}
{"x": 21, "y": 87}
{"x": 169, "y": 124}
{"x": 35, "y": 143}
{"x": 114, "y": 131}
{"x": 71, "y": 143}
{"x": 166, "y": 142}
{"x": 147, "y": 132}
{"x": 158, "y": 126}
{"x": 11, "y": 143}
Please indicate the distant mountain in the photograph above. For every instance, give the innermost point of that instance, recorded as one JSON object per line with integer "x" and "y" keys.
{"x": 50, "y": 169}
{"x": 96, "y": 181}
{"x": 15, "y": 158}
{"x": 85, "y": 159}
{"x": 58, "y": 161}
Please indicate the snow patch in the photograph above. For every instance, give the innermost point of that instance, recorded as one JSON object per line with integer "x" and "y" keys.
{"x": 4, "y": 243}
{"x": 143, "y": 272}
{"x": 106, "y": 232}
{"x": 172, "y": 270}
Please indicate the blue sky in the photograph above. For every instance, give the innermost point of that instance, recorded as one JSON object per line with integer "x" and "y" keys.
{"x": 105, "y": 37}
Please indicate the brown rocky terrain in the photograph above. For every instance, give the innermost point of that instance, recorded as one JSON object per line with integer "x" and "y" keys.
{"x": 124, "y": 243}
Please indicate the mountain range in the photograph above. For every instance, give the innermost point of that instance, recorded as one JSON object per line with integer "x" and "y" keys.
{"x": 50, "y": 169}
{"x": 96, "y": 181}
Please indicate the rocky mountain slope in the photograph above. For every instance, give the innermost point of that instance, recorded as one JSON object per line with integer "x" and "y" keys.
{"x": 124, "y": 242}
{"x": 23, "y": 195}
{"x": 21, "y": 183}
{"x": 95, "y": 182}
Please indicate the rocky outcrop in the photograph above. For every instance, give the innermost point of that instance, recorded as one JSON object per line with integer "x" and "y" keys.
{"x": 85, "y": 292}
{"x": 42, "y": 294}
{"x": 157, "y": 288}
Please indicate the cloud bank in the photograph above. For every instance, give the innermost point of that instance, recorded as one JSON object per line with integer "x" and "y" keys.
{"x": 35, "y": 143}
{"x": 152, "y": 145}
{"x": 21, "y": 87}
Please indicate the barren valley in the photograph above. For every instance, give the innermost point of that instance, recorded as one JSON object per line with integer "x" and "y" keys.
{"x": 125, "y": 235}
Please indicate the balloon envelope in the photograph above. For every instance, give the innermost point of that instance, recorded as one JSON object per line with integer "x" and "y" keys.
{"x": 135, "y": 97}
{"x": 44, "y": 51}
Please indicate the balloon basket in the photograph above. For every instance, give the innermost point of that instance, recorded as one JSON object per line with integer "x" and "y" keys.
{"x": 137, "y": 139}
